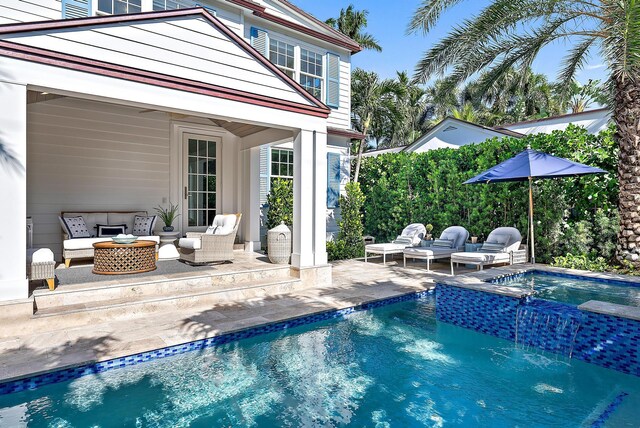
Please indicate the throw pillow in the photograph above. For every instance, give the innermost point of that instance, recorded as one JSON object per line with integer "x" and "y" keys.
{"x": 108, "y": 230}
{"x": 75, "y": 227}
{"x": 211, "y": 230}
{"x": 143, "y": 225}
{"x": 443, "y": 243}
{"x": 492, "y": 247}
{"x": 404, "y": 240}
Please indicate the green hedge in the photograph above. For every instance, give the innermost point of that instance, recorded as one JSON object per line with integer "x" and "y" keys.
{"x": 402, "y": 188}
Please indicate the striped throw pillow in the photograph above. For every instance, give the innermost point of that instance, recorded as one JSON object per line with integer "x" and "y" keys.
{"x": 443, "y": 243}
{"x": 492, "y": 247}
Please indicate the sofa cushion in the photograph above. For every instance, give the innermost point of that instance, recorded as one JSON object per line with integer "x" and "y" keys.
{"x": 91, "y": 219}
{"x": 82, "y": 243}
{"x": 126, "y": 218}
{"x": 75, "y": 227}
{"x": 190, "y": 243}
{"x": 143, "y": 225}
{"x": 111, "y": 229}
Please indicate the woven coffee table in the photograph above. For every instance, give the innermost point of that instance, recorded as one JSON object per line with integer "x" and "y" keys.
{"x": 117, "y": 259}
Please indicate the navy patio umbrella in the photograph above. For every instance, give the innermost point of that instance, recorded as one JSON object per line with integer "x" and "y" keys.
{"x": 528, "y": 165}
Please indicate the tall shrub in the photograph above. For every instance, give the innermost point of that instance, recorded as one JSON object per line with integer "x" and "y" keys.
{"x": 280, "y": 201}
{"x": 349, "y": 242}
{"x": 403, "y": 188}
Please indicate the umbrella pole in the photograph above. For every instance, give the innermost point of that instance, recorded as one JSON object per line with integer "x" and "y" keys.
{"x": 531, "y": 238}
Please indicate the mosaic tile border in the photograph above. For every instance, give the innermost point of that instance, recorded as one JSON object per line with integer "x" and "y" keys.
{"x": 610, "y": 409}
{"x": 504, "y": 279}
{"x": 61, "y": 375}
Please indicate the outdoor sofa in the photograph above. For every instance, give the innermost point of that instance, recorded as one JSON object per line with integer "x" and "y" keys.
{"x": 451, "y": 240}
{"x": 82, "y": 247}
{"x": 214, "y": 245}
{"x": 502, "y": 246}
{"x": 411, "y": 236}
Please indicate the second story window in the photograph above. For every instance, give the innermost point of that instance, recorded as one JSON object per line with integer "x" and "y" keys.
{"x": 117, "y": 7}
{"x": 281, "y": 54}
{"x": 171, "y": 4}
{"x": 311, "y": 72}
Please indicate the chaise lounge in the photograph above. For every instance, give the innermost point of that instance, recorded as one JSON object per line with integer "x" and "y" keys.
{"x": 502, "y": 246}
{"x": 451, "y": 240}
{"x": 411, "y": 236}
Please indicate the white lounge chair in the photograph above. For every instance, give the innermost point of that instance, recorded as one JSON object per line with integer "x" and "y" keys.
{"x": 500, "y": 247}
{"x": 411, "y": 236}
{"x": 451, "y": 240}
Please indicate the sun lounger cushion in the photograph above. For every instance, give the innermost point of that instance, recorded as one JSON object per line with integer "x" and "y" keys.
{"x": 492, "y": 247}
{"x": 483, "y": 257}
{"x": 428, "y": 252}
{"x": 457, "y": 234}
{"x": 513, "y": 238}
{"x": 443, "y": 243}
{"x": 415, "y": 232}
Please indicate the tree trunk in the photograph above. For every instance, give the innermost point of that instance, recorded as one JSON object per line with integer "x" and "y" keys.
{"x": 626, "y": 114}
{"x": 360, "y": 151}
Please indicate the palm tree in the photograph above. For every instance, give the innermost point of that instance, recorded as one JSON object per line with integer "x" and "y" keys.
{"x": 351, "y": 23}
{"x": 511, "y": 33}
{"x": 466, "y": 112}
{"x": 372, "y": 103}
{"x": 411, "y": 111}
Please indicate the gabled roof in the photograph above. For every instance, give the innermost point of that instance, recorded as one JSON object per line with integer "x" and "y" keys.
{"x": 447, "y": 120}
{"x": 329, "y": 34}
{"x": 568, "y": 116}
{"x": 224, "y": 65}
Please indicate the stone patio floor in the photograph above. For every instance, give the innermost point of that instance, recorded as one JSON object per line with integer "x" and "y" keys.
{"x": 354, "y": 282}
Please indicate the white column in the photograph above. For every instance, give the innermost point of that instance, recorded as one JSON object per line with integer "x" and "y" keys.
{"x": 251, "y": 199}
{"x": 13, "y": 191}
{"x": 309, "y": 199}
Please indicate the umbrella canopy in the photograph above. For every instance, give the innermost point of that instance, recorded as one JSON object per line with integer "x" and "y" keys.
{"x": 533, "y": 164}
{"x": 530, "y": 164}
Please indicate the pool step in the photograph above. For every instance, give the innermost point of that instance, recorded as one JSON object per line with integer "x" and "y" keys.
{"x": 153, "y": 286}
{"x": 70, "y": 315}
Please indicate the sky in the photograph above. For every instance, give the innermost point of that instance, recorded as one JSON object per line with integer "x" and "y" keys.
{"x": 387, "y": 22}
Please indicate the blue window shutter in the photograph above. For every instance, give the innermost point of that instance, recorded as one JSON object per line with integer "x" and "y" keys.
{"x": 76, "y": 8}
{"x": 333, "y": 80}
{"x": 260, "y": 41}
{"x": 265, "y": 161}
{"x": 334, "y": 169}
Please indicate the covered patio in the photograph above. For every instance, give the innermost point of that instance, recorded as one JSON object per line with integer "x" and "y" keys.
{"x": 119, "y": 124}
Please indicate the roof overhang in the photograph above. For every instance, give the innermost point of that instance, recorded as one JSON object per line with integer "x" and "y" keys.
{"x": 20, "y": 51}
{"x": 349, "y": 133}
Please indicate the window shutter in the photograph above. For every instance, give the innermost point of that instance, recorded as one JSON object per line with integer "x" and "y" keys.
{"x": 333, "y": 80}
{"x": 76, "y": 8}
{"x": 334, "y": 170}
{"x": 260, "y": 41}
{"x": 264, "y": 173}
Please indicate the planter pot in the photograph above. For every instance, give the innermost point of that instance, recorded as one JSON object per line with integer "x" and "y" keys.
{"x": 167, "y": 229}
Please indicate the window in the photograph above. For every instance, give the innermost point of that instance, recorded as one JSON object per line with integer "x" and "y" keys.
{"x": 281, "y": 163}
{"x": 117, "y": 7}
{"x": 281, "y": 54}
{"x": 311, "y": 72}
{"x": 172, "y": 4}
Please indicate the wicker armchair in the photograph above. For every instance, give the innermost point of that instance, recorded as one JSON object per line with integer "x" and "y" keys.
{"x": 209, "y": 247}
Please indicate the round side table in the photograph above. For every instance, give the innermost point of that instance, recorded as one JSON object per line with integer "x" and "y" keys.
{"x": 168, "y": 250}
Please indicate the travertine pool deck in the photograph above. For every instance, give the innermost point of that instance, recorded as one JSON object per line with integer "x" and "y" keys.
{"x": 354, "y": 283}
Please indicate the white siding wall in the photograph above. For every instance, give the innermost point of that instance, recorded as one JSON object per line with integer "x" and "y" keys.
{"x": 83, "y": 155}
{"x": 14, "y": 11}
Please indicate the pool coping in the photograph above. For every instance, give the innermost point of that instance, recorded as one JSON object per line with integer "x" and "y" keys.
{"x": 481, "y": 281}
{"x": 75, "y": 371}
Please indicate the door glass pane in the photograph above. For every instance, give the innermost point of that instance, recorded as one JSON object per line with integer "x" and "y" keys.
{"x": 201, "y": 180}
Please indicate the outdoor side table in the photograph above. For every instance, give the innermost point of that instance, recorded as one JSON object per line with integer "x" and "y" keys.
{"x": 168, "y": 250}
{"x": 111, "y": 258}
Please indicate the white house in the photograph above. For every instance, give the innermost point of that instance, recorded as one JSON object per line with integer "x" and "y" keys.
{"x": 453, "y": 133}
{"x": 104, "y": 104}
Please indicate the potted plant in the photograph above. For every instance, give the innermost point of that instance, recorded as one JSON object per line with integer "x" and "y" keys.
{"x": 168, "y": 216}
{"x": 429, "y": 228}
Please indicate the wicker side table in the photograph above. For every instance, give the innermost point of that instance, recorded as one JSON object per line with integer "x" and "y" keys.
{"x": 118, "y": 259}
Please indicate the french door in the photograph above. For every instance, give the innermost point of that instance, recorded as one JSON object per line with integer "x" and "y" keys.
{"x": 200, "y": 180}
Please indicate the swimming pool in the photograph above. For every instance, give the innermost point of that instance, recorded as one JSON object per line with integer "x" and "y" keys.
{"x": 390, "y": 366}
{"x": 574, "y": 290}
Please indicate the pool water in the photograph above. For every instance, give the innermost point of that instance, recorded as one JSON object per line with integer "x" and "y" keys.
{"x": 576, "y": 290}
{"x": 393, "y": 366}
